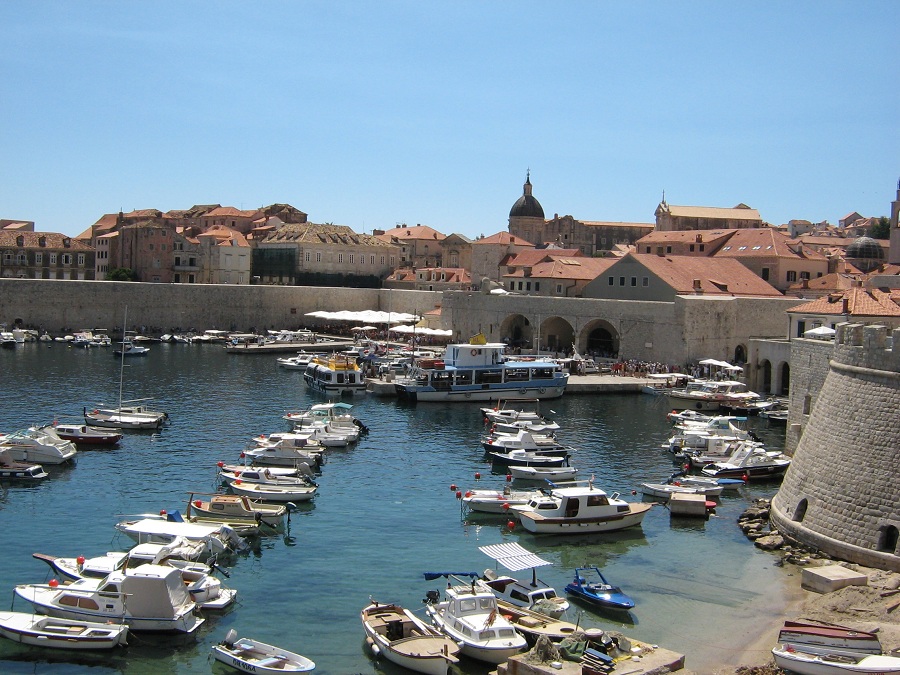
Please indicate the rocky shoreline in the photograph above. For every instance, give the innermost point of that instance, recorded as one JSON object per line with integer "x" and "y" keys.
{"x": 874, "y": 607}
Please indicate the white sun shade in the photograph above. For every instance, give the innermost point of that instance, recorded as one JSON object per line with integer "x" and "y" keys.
{"x": 513, "y": 557}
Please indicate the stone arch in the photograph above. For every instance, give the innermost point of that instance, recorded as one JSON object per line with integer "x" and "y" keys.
{"x": 785, "y": 377}
{"x": 740, "y": 354}
{"x": 599, "y": 338}
{"x": 800, "y": 511}
{"x": 765, "y": 371}
{"x": 888, "y": 539}
{"x": 556, "y": 334}
{"x": 516, "y": 330}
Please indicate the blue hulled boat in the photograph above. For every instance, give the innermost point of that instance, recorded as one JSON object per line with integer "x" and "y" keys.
{"x": 591, "y": 586}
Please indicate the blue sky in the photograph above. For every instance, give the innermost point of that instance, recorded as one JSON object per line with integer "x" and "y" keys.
{"x": 378, "y": 113}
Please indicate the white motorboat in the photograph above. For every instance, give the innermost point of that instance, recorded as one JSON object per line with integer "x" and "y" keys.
{"x": 749, "y": 461}
{"x": 298, "y": 475}
{"x": 710, "y": 395}
{"x": 273, "y": 493}
{"x": 535, "y": 595}
{"x": 146, "y": 598}
{"x": 128, "y": 348}
{"x": 505, "y": 412}
{"x": 19, "y": 471}
{"x": 35, "y": 445}
{"x": 298, "y": 361}
{"x": 811, "y": 661}
{"x": 166, "y": 529}
{"x": 526, "y": 458}
{"x": 684, "y": 415}
{"x": 525, "y": 440}
{"x": 536, "y": 427}
{"x": 40, "y": 630}
{"x": 335, "y": 413}
{"x": 205, "y": 589}
{"x": 480, "y": 371}
{"x": 286, "y": 453}
{"x": 470, "y": 616}
{"x": 253, "y": 656}
{"x": 495, "y": 501}
{"x": 402, "y": 638}
{"x": 125, "y": 417}
{"x": 582, "y": 509}
{"x": 666, "y": 490}
{"x": 543, "y": 473}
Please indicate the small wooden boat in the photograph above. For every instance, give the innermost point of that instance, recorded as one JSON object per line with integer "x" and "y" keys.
{"x": 541, "y": 473}
{"x": 402, "y": 638}
{"x": 252, "y": 656}
{"x": 666, "y": 490}
{"x": 532, "y": 624}
{"x": 273, "y": 493}
{"x": 812, "y": 661}
{"x": 527, "y": 458}
{"x": 829, "y": 636}
{"x": 82, "y": 434}
{"x": 47, "y": 631}
{"x": 234, "y": 509}
{"x": 591, "y": 586}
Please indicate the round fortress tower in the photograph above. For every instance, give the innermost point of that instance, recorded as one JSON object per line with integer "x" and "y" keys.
{"x": 840, "y": 494}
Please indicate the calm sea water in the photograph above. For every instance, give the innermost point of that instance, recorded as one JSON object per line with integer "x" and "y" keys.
{"x": 384, "y": 514}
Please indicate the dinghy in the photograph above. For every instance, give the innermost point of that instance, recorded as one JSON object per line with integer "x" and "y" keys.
{"x": 40, "y": 630}
{"x": 253, "y": 656}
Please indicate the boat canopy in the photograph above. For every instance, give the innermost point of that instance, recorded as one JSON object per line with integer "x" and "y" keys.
{"x": 513, "y": 556}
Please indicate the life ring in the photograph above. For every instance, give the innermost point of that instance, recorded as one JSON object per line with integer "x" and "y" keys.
{"x": 523, "y": 390}
{"x": 542, "y": 389}
{"x": 474, "y": 352}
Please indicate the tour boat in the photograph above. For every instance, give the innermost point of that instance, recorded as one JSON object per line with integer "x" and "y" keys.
{"x": 481, "y": 371}
{"x": 582, "y": 509}
{"x": 334, "y": 375}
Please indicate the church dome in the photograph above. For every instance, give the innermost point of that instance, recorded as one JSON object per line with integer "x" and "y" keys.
{"x": 527, "y": 206}
{"x": 865, "y": 248}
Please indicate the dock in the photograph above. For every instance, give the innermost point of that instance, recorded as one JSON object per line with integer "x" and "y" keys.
{"x": 578, "y": 384}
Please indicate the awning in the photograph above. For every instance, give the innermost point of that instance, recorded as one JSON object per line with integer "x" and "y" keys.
{"x": 365, "y": 316}
{"x": 418, "y": 330}
{"x": 513, "y": 557}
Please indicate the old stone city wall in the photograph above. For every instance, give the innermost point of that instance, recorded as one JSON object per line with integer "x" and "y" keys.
{"x": 839, "y": 494}
{"x": 55, "y": 305}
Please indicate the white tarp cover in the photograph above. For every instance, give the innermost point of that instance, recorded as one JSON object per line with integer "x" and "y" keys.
{"x": 365, "y": 316}
{"x": 421, "y": 331}
{"x": 513, "y": 557}
{"x": 156, "y": 591}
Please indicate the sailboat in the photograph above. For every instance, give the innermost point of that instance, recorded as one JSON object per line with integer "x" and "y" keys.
{"x": 128, "y": 414}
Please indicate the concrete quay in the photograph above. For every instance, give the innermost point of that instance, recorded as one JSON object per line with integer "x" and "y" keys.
{"x": 578, "y": 384}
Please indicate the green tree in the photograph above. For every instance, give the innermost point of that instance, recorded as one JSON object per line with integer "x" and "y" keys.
{"x": 121, "y": 274}
{"x": 881, "y": 229}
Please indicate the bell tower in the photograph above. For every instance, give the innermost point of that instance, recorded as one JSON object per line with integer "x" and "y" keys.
{"x": 894, "y": 254}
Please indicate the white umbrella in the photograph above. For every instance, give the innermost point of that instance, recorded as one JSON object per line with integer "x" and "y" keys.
{"x": 734, "y": 368}
{"x": 819, "y": 331}
{"x": 358, "y": 328}
{"x": 365, "y": 316}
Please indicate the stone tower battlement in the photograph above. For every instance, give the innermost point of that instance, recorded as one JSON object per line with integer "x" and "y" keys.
{"x": 840, "y": 493}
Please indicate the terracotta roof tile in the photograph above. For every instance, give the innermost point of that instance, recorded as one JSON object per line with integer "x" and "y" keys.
{"x": 861, "y": 302}
{"x": 52, "y": 240}
{"x": 717, "y": 276}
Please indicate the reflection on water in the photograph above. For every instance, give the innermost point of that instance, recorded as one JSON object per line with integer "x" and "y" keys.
{"x": 383, "y": 515}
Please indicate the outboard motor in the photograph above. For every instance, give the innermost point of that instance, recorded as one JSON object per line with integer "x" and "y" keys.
{"x": 230, "y": 638}
{"x": 432, "y": 597}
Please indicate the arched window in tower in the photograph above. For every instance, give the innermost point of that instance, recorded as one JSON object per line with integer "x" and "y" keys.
{"x": 800, "y": 511}
{"x": 889, "y": 538}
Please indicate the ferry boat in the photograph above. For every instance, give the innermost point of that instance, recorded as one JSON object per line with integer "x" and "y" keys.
{"x": 481, "y": 371}
{"x": 335, "y": 375}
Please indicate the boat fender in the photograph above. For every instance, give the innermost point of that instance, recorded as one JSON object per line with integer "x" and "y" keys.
{"x": 474, "y": 352}
{"x": 376, "y": 650}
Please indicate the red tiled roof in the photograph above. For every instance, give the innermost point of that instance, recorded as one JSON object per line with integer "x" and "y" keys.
{"x": 52, "y": 240}
{"x": 504, "y": 238}
{"x": 717, "y": 276}
{"x": 582, "y": 268}
{"x": 868, "y": 302}
{"x": 415, "y": 232}
{"x": 533, "y": 256}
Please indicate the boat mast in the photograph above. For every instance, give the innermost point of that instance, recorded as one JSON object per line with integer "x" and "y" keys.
{"x": 122, "y": 355}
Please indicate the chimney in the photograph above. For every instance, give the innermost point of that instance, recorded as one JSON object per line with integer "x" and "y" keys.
{"x": 659, "y": 251}
{"x": 845, "y": 306}
{"x": 697, "y": 288}
{"x": 804, "y": 283}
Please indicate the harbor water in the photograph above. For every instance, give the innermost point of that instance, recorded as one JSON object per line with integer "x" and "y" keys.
{"x": 385, "y": 512}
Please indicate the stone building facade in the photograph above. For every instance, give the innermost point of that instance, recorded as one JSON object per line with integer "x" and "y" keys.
{"x": 839, "y": 495}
